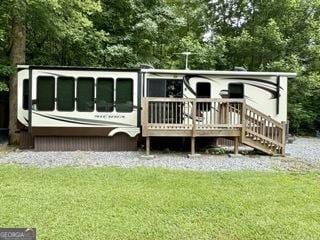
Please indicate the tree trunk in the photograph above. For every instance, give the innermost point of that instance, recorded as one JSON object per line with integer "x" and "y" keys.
{"x": 17, "y": 56}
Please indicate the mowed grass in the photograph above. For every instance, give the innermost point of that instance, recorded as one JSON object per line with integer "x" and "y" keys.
{"x": 111, "y": 203}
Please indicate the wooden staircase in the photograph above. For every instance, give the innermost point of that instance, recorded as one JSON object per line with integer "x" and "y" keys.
{"x": 262, "y": 132}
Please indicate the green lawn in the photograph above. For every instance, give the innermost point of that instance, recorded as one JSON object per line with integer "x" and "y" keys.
{"x": 111, "y": 203}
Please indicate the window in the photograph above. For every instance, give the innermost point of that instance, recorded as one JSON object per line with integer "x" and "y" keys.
{"x": 156, "y": 88}
{"x": 124, "y": 95}
{"x": 203, "y": 90}
{"x": 65, "y": 94}
{"x": 165, "y": 88}
{"x": 174, "y": 88}
{"x": 105, "y": 94}
{"x": 25, "y": 94}
{"x": 236, "y": 90}
{"x": 85, "y": 94}
{"x": 45, "y": 93}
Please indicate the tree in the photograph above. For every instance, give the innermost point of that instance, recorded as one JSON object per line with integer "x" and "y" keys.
{"x": 17, "y": 50}
{"x": 280, "y": 35}
{"x": 62, "y": 26}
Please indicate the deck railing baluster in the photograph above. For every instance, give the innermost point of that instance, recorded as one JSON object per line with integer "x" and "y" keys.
{"x": 151, "y": 110}
{"x": 164, "y": 112}
{"x": 168, "y": 114}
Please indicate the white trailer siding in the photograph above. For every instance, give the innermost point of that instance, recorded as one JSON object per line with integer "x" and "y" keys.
{"x": 120, "y": 121}
{"x": 260, "y": 90}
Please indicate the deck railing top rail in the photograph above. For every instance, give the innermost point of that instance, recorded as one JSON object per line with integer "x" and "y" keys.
{"x": 169, "y": 99}
{"x": 268, "y": 118}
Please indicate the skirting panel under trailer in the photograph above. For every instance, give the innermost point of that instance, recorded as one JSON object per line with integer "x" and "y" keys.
{"x": 119, "y": 142}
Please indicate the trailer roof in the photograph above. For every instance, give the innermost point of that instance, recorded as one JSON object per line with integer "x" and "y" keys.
{"x": 222, "y": 73}
{"x": 50, "y": 67}
{"x": 163, "y": 71}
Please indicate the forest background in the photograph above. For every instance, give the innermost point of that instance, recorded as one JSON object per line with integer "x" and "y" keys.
{"x": 273, "y": 35}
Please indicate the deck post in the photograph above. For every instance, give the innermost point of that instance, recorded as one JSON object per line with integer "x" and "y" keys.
{"x": 147, "y": 155}
{"x": 236, "y": 145}
{"x": 147, "y": 145}
{"x": 243, "y": 121}
{"x": 194, "y": 127}
{"x": 193, "y": 146}
{"x": 283, "y": 149}
{"x": 194, "y": 123}
{"x": 194, "y": 116}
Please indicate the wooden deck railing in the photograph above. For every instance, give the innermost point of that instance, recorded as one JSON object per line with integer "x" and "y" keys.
{"x": 191, "y": 114}
{"x": 191, "y": 117}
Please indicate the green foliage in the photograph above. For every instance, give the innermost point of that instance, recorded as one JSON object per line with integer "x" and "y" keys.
{"x": 270, "y": 36}
{"x": 278, "y": 35}
{"x": 61, "y": 32}
{"x": 3, "y": 87}
{"x": 304, "y": 105}
{"x": 216, "y": 151}
{"x": 5, "y": 72}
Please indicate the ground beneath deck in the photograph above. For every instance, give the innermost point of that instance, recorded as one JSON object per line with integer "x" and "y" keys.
{"x": 303, "y": 154}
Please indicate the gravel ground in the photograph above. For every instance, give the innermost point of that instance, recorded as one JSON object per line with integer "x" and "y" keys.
{"x": 303, "y": 155}
{"x": 307, "y": 149}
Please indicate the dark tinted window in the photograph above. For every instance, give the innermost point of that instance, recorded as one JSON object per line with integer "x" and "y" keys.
{"x": 174, "y": 88}
{"x": 165, "y": 88}
{"x": 85, "y": 94}
{"x": 65, "y": 94}
{"x": 25, "y": 94}
{"x": 124, "y": 95}
{"x": 156, "y": 88}
{"x": 236, "y": 90}
{"x": 45, "y": 93}
{"x": 105, "y": 95}
{"x": 203, "y": 90}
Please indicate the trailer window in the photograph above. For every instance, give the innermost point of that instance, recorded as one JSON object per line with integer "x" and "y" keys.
{"x": 45, "y": 93}
{"x": 236, "y": 90}
{"x": 156, "y": 88}
{"x": 25, "y": 94}
{"x": 105, "y": 94}
{"x": 65, "y": 94}
{"x": 165, "y": 88}
{"x": 203, "y": 90}
{"x": 85, "y": 94}
{"x": 124, "y": 95}
{"x": 174, "y": 88}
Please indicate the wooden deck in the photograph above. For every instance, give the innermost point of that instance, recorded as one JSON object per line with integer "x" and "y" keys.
{"x": 202, "y": 117}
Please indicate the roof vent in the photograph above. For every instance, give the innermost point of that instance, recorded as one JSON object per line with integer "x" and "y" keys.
{"x": 241, "y": 69}
{"x": 146, "y": 66}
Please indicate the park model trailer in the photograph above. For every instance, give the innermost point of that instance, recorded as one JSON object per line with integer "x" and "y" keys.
{"x": 75, "y": 108}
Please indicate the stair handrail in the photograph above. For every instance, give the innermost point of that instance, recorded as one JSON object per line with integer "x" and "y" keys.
{"x": 280, "y": 142}
{"x": 265, "y": 116}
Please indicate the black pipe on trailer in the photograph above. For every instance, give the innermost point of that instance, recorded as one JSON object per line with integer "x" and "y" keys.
{"x": 278, "y": 95}
{"x": 30, "y": 101}
{"x": 139, "y": 98}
